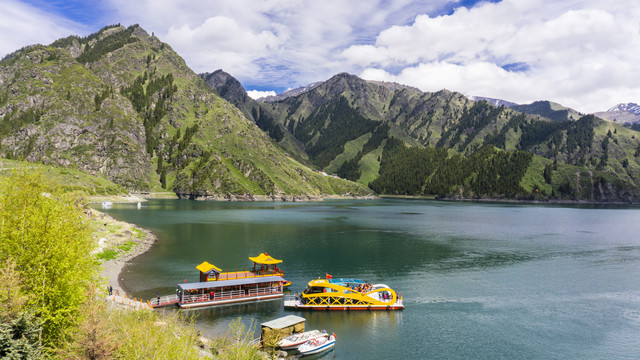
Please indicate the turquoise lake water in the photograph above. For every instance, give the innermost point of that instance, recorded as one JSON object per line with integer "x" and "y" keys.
{"x": 479, "y": 281}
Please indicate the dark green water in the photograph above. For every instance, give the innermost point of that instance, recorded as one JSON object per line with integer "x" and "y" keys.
{"x": 480, "y": 281}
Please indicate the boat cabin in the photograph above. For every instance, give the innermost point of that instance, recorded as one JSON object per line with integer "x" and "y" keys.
{"x": 229, "y": 291}
{"x": 208, "y": 271}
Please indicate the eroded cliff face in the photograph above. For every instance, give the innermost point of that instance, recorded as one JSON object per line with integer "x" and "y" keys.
{"x": 122, "y": 103}
{"x": 51, "y": 115}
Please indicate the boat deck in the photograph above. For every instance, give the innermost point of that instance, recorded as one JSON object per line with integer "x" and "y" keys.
{"x": 245, "y": 274}
{"x": 291, "y": 302}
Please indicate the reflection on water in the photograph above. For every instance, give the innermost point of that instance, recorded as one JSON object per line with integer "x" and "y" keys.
{"x": 479, "y": 281}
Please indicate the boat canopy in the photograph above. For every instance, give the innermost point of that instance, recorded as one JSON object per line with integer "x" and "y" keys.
{"x": 283, "y": 322}
{"x": 205, "y": 267}
{"x": 234, "y": 282}
{"x": 346, "y": 281}
{"x": 264, "y": 258}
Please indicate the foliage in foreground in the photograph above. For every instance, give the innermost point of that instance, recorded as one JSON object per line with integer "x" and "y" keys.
{"x": 110, "y": 332}
{"x": 237, "y": 344}
{"x": 19, "y": 329}
{"x": 43, "y": 231}
{"x": 49, "y": 306}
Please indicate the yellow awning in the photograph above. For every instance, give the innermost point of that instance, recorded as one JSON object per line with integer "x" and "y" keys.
{"x": 205, "y": 267}
{"x": 264, "y": 259}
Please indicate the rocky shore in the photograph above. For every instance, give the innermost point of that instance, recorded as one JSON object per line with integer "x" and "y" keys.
{"x": 275, "y": 198}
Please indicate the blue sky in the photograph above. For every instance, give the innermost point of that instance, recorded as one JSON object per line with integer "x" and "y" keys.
{"x": 580, "y": 53}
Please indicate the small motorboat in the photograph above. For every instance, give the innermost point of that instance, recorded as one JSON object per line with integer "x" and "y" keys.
{"x": 106, "y": 204}
{"x": 317, "y": 345}
{"x": 293, "y": 341}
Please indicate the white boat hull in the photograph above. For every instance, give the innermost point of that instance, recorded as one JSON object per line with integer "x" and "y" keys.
{"x": 294, "y": 341}
{"x": 309, "y": 348}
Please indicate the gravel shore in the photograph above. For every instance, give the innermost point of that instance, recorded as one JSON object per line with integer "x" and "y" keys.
{"x": 118, "y": 242}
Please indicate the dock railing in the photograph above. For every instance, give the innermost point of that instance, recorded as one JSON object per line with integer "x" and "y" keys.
{"x": 163, "y": 300}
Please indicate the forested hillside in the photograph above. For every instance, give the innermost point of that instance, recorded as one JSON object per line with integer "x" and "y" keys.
{"x": 122, "y": 103}
{"x": 400, "y": 140}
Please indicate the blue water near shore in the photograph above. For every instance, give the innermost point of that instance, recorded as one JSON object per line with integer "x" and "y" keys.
{"x": 480, "y": 281}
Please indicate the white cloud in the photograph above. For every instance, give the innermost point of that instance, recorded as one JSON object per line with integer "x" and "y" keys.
{"x": 580, "y": 54}
{"x": 22, "y": 25}
{"x": 256, "y": 94}
{"x": 222, "y": 41}
{"x": 274, "y": 42}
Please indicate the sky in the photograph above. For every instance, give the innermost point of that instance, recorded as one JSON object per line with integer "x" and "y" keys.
{"x": 580, "y": 53}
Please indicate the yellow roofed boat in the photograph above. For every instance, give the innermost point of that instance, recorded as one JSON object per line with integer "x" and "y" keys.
{"x": 263, "y": 265}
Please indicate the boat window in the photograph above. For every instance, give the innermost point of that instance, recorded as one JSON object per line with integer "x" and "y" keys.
{"x": 313, "y": 290}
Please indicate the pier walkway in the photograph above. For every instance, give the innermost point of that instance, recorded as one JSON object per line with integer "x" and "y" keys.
{"x": 166, "y": 300}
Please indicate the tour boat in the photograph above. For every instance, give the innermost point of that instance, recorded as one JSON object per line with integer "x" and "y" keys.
{"x": 345, "y": 294}
{"x": 263, "y": 282}
{"x": 295, "y": 340}
{"x": 317, "y": 345}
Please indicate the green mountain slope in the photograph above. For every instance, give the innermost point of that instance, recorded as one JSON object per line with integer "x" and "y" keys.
{"x": 457, "y": 147}
{"x": 122, "y": 103}
{"x": 549, "y": 110}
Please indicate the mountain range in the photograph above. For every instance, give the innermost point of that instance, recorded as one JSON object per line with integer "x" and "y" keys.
{"x": 123, "y": 104}
{"x": 399, "y": 140}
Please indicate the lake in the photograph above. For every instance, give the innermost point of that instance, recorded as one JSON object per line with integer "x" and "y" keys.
{"x": 479, "y": 280}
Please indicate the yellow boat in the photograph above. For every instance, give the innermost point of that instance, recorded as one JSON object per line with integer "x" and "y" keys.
{"x": 345, "y": 294}
{"x": 263, "y": 265}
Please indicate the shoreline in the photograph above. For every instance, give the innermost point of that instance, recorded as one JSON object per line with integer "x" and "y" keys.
{"x": 122, "y": 240}
{"x": 272, "y": 198}
{"x": 112, "y": 269}
{"x": 509, "y": 201}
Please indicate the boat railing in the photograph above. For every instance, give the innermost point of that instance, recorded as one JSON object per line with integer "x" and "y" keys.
{"x": 263, "y": 291}
{"x": 229, "y": 294}
{"x": 290, "y": 298}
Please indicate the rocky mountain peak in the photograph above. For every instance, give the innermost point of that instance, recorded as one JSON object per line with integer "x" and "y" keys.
{"x": 226, "y": 85}
{"x": 628, "y": 107}
{"x": 624, "y": 113}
